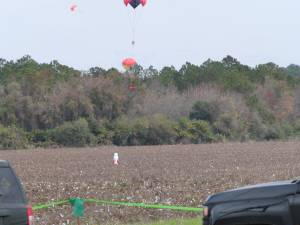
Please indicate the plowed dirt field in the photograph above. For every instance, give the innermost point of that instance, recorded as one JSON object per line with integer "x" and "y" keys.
{"x": 180, "y": 175}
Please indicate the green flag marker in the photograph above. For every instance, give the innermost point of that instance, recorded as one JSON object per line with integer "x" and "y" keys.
{"x": 78, "y": 207}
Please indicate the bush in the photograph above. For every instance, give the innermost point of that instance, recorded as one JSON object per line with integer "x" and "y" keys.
{"x": 258, "y": 130}
{"x": 161, "y": 131}
{"x": 38, "y": 136}
{"x": 12, "y": 138}
{"x": 288, "y": 130}
{"x": 194, "y": 131}
{"x": 156, "y": 130}
{"x": 204, "y": 111}
{"x": 274, "y": 132}
{"x": 227, "y": 125}
{"x": 182, "y": 129}
{"x": 201, "y": 132}
{"x": 101, "y": 130}
{"x": 140, "y": 131}
{"x": 42, "y": 138}
{"x": 73, "y": 134}
{"x": 122, "y": 131}
{"x": 254, "y": 104}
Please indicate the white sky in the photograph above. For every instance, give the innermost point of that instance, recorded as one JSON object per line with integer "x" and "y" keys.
{"x": 169, "y": 32}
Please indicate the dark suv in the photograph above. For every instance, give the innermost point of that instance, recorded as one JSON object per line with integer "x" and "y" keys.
{"x": 276, "y": 203}
{"x": 13, "y": 203}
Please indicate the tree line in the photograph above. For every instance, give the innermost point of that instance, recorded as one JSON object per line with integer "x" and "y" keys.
{"x": 50, "y": 104}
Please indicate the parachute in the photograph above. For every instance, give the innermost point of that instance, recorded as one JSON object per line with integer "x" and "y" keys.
{"x": 135, "y": 3}
{"x": 129, "y": 63}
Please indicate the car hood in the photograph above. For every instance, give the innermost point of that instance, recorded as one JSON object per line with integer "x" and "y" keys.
{"x": 268, "y": 190}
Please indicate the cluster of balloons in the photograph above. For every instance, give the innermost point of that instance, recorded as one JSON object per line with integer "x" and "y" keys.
{"x": 135, "y": 3}
{"x": 128, "y": 63}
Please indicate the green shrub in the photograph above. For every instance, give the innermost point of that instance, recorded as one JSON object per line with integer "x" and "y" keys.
{"x": 140, "y": 132}
{"x": 204, "y": 111}
{"x": 255, "y": 105}
{"x": 161, "y": 131}
{"x": 42, "y": 138}
{"x": 38, "y": 136}
{"x": 131, "y": 132}
{"x": 12, "y": 138}
{"x": 274, "y": 132}
{"x": 156, "y": 130}
{"x": 194, "y": 131}
{"x": 182, "y": 129}
{"x": 101, "y": 130}
{"x": 122, "y": 131}
{"x": 73, "y": 134}
{"x": 258, "y": 130}
{"x": 227, "y": 125}
{"x": 288, "y": 130}
{"x": 201, "y": 132}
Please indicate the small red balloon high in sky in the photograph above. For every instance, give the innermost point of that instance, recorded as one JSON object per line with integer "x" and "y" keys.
{"x": 73, "y": 7}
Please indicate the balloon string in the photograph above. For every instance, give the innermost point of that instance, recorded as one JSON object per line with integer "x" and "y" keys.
{"x": 133, "y": 41}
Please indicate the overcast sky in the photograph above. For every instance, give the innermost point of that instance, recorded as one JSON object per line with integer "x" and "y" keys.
{"x": 169, "y": 32}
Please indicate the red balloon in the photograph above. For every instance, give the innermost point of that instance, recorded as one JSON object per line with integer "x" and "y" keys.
{"x": 129, "y": 63}
{"x": 73, "y": 7}
{"x": 126, "y": 2}
{"x": 143, "y": 2}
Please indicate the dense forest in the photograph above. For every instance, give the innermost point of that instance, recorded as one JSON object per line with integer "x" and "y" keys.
{"x": 53, "y": 105}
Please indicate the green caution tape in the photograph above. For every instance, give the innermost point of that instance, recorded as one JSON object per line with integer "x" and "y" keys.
{"x": 78, "y": 205}
{"x": 142, "y": 205}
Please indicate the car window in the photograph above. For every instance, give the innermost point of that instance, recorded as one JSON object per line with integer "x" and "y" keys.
{"x": 10, "y": 191}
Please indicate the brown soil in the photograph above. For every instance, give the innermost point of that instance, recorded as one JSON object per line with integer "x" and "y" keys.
{"x": 180, "y": 175}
